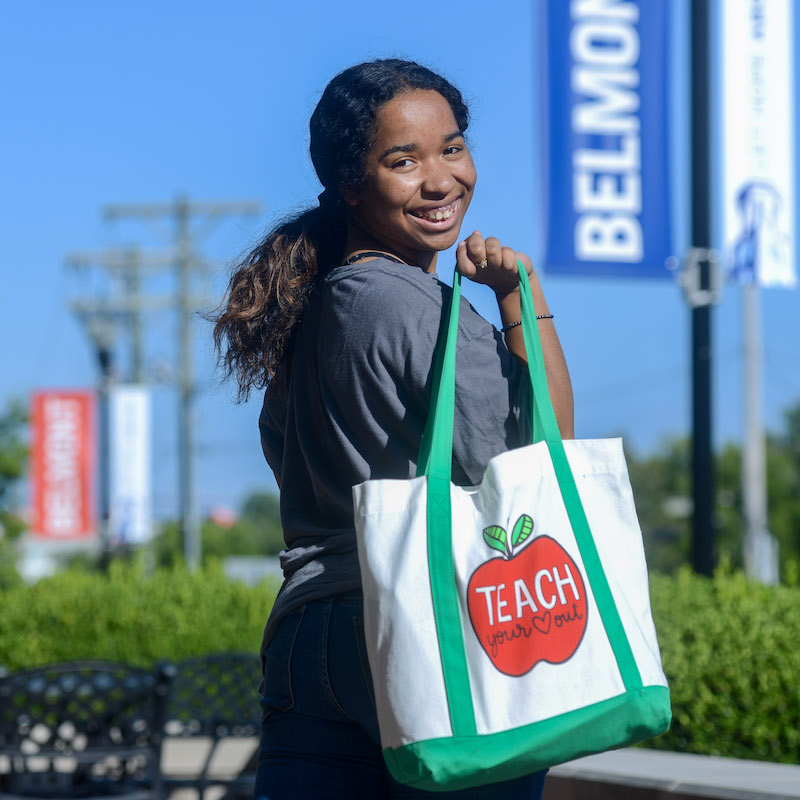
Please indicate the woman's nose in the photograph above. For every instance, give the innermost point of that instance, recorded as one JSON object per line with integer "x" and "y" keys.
{"x": 438, "y": 180}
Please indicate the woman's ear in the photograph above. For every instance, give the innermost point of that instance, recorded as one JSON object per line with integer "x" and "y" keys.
{"x": 349, "y": 195}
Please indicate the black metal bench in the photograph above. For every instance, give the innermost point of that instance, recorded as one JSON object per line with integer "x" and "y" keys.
{"x": 82, "y": 729}
{"x": 214, "y": 697}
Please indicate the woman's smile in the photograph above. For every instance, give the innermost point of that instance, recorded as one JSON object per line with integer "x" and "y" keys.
{"x": 438, "y": 214}
{"x": 419, "y": 181}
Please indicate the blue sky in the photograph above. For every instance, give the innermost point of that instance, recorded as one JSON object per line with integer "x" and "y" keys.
{"x": 137, "y": 102}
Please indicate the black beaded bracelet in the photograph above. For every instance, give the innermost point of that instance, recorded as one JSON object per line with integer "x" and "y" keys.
{"x": 506, "y": 328}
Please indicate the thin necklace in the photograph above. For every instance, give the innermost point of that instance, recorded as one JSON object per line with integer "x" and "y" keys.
{"x": 372, "y": 254}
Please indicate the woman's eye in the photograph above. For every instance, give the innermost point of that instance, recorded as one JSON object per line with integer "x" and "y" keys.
{"x": 403, "y": 162}
{"x": 452, "y": 150}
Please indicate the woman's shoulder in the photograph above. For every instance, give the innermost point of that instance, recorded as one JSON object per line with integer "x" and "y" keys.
{"x": 384, "y": 282}
{"x": 408, "y": 296}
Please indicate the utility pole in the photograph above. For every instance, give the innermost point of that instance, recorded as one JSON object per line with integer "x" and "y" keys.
{"x": 126, "y": 303}
{"x": 183, "y": 213}
{"x": 102, "y": 329}
{"x": 192, "y": 545}
{"x": 104, "y": 319}
{"x": 133, "y": 289}
{"x": 703, "y": 487}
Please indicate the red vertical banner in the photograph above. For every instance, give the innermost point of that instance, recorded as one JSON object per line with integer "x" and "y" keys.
{"x": 63, "y": 465}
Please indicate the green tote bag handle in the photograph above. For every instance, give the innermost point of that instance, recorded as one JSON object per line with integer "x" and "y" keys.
{"x": 435, "y": 462}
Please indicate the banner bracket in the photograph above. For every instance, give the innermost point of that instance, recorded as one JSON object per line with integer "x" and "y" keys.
{"x": 690, "y": 279}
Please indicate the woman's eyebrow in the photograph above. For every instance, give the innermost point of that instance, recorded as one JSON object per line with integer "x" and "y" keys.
{"x": 409, "y": 148}
{"x": 399, "y": 148}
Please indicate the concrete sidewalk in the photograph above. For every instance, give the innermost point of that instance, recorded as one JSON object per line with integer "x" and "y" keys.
{"x": 628, "y": 774}
{"x": 638, "y": 774}
{"x": 186, "y": 756}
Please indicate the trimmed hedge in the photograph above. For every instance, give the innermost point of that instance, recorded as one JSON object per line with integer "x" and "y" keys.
{"x": 731, "y": 647}
{"x": 731, "y": 652}
{"x": 129, "y": 616}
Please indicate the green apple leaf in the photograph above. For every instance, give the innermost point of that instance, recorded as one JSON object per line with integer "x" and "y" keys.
{"x": 522, "y": 530}
{"x": 495, "y": 537}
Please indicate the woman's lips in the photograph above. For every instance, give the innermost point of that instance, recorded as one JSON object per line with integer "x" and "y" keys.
{"x": 439, "y": 215}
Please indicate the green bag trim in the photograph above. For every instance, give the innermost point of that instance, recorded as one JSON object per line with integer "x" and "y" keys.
{"x": 436, "y": 455}
{"x": 609, "y": 615}
{"x": 466, "y": 761}
{"x": 435, "y": 462}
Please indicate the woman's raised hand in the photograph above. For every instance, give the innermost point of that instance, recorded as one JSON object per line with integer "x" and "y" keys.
{"x": 487, "y": 261}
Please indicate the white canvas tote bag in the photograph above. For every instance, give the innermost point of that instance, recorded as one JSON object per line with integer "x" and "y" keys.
{"x": 508, "y": 625}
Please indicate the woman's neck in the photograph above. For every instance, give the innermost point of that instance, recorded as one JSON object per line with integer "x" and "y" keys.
{"x": 358, "y": 241}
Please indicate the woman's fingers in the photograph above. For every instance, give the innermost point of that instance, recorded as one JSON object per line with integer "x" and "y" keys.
{"x": 489, "y": 261}
{"x": 510, "y": 260}
{"x": 526, "y": 262}
{"x": 471, "y": 255}
{"x": 476, "y": 249}
{"x": 494, "y": 252}
{"x": 464, "y": 263}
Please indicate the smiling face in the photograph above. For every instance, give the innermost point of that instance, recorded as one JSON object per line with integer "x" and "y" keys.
{"x": 419, "y": 181}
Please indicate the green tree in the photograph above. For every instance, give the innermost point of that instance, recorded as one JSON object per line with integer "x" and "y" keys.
{"x": 13, "y": 463}
{"x": 783, "y": 488}
{"x": 257, "y": 532}
{"x": 662, "y": 488}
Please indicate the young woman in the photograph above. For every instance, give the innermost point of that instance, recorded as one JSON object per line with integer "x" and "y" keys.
{"x": 337, "y": 314}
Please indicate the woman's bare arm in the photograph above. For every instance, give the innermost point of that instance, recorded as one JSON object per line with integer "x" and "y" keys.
{"x": 501, "y": 274}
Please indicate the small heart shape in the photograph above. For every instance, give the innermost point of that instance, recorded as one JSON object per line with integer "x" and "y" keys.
{"x": 542, "y": 622}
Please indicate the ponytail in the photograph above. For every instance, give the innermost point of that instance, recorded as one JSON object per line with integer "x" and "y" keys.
{"x": 269, "y": 290}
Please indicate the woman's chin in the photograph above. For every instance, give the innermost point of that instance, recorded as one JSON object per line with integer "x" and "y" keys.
{"x": 450, "y": 238}
{"x": 444, "y": 239}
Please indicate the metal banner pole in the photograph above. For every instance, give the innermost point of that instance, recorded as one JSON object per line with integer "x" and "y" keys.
{"x": 702, "y": 453}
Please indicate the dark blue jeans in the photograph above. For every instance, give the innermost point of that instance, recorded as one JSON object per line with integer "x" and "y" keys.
{"x": 319, "y": 732}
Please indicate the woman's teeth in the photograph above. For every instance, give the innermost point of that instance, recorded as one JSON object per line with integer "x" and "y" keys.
{"x": 439, "y": 214}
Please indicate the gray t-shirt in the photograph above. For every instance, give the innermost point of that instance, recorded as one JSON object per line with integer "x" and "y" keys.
{"x": 351, "y": 402}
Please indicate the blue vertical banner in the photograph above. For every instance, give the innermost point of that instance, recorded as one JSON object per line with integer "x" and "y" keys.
{"x": 607, "y": 157}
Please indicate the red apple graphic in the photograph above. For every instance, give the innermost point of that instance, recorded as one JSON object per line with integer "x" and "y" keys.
{"x": 528, "y": 605}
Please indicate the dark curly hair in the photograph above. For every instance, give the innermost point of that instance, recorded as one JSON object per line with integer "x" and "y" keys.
{"x": 269, "y": 287}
